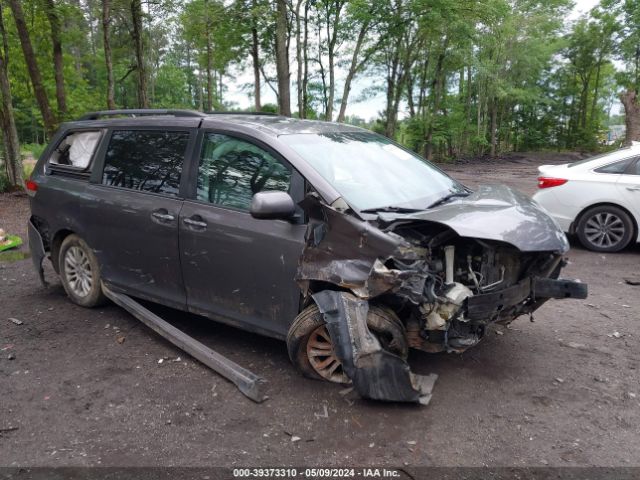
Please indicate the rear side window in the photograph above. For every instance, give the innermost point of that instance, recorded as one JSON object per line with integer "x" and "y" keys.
{"x": 232, "y": 170}
{"x": 617, "y": 167}
{"x": 635, "y": 169}
{"x": 76, "y": 150}
{"x": 148, "y": 160}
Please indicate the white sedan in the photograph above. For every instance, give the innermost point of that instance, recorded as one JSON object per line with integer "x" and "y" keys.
{"x": 598, "y": 199}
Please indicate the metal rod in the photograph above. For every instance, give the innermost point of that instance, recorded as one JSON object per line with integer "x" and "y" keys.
{"x": 247, "y": 382}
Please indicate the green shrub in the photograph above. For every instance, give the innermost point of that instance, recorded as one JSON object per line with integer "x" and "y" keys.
{"x": 33, "y": 149}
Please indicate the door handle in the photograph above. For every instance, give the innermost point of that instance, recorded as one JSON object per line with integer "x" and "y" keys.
{"x": 162, "y": 216}
{"x": 633, "y": 189}
{"x": 192, "y": 222}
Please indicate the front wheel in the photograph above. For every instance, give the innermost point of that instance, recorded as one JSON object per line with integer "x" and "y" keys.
{"x": 311, "y": 349}
{"x": 80, "y": 272}
{"x": 605, "y": 229}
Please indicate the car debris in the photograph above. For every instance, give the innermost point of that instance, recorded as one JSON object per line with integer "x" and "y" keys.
{"x": 247, "y": 382}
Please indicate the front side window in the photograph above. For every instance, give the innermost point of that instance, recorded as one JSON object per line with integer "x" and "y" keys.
{"x": 76, "y": 149}
{"x": 148, "y": 160}
{"x": 232, "y": 170}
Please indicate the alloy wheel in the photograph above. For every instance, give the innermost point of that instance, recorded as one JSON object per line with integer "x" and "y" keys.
{"x": 323, "y": 358}
{"x": 77, "y": 269}
{"x": 604, "y": 230}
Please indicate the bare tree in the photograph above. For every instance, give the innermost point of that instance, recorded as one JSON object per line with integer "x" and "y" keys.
{"x": 32, "y": 67}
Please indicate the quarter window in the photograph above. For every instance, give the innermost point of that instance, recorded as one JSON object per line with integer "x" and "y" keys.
{"x": 635, "y": 169}
{"x": 76, "y": 149}
{"x": 617, "y": 167}
{"x": 145, "y": 160}
{"x": 231, "y": 171}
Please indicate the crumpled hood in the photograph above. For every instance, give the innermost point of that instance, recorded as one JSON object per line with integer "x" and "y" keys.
{"x": 496, "y": 212}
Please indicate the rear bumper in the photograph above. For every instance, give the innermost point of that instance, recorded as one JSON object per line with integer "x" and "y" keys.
{"x": 530, "y": 291}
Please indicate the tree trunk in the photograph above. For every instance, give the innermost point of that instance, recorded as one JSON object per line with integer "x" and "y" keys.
{"x": 331, "y": 38}
{"x": 282, "y": 60}
{"x": 631, "y": 105}
{"x": 12, "y": 158}
{"x": 255, "y": 55}
{"x": 136, "y": 17}
{"x": 207, "y": 30}
{"x": 305, "y": 61}
{"x": 106, "y": 24}
{"x": 299, "y": 58}
{"x": 494, "y": 126}
{"x": 58, "y": 65}
{"x": 353, "y": 69}
{"x": 32, "y": 66}
{"x": 437, "y": 88}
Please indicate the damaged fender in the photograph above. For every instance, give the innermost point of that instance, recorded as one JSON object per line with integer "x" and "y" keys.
{"x": 376, "y": 373}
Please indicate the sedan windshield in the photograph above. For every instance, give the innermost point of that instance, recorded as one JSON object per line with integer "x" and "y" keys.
{"x": 372, "y": 173}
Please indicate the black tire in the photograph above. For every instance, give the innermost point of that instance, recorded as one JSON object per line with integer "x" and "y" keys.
{"x": 383, "y": 323}
{"x": 605, "y": 229}
{"x": 80, "y": 272}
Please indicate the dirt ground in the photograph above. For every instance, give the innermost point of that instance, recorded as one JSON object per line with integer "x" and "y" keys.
{"x": 562, "y": 391}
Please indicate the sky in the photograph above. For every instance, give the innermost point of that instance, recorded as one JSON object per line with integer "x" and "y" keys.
{"x": 367, "y": 109}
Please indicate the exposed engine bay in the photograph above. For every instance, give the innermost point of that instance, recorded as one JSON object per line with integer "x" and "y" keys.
{"x": 444, "y": 287}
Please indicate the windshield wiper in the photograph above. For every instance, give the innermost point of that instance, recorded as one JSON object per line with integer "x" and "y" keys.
{"x": 392, "y": 209}
{"x": 448, "y": 197}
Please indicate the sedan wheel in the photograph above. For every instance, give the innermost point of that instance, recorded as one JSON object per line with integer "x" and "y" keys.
{"x": 605, "y": 229}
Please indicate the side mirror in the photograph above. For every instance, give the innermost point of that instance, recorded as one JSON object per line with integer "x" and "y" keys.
{"x": 272, "y": 205}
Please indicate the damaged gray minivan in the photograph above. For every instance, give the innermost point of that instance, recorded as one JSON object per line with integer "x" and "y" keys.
{"x": 348, "y": 246}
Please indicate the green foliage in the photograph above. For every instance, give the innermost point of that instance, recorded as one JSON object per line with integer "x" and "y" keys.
{"x": 32, "y": 149}
{"x": 459, "y": 78}
{"x": 4, "y": 182}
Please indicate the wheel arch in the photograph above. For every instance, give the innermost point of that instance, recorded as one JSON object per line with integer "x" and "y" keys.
{"x": 575, "y": 223}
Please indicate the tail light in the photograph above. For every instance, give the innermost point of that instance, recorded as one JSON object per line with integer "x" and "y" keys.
{"x": 548, "y": 182}
{"x": 31, "y": 186}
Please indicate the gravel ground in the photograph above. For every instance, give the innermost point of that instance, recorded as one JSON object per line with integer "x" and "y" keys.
{"x": 561, "y": 391}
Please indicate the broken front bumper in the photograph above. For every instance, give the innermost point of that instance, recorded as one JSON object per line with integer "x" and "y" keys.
{"x": 487, "y": 307}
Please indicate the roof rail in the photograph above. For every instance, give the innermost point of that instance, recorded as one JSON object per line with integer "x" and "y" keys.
{"x": 141, "y": 112}
{"x": 269, "y": 114}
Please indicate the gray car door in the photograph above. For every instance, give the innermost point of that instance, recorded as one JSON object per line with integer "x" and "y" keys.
{"x": 236, "y": 268}
{"x": 137, "y": 202}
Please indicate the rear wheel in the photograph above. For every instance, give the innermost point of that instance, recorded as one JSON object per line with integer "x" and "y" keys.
{"x": 80, "y": 272}
{"x": 605, "y": 229}
{"x": 311, "y": 349}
